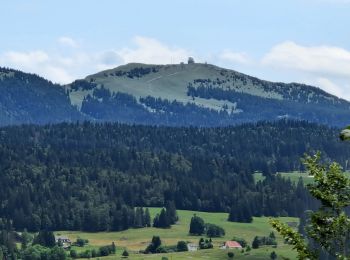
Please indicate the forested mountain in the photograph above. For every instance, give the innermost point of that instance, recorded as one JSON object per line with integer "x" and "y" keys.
{"x": 90, "y": 176}
{"x": 201, "y": 95}
{"x": 28, "y": 98}
{"x": 172, "y": 95}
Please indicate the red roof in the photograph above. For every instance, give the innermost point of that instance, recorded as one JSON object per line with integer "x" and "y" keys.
{"x": 233, "y": 244}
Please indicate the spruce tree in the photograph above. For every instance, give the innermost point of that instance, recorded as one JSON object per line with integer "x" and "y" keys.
{"x": 255, "y": 243}
{"x": 147, "y": 218}
{"x": 161, "y": 220}
{"x": 138, "y": 221}
{"x": 171, "y": 212}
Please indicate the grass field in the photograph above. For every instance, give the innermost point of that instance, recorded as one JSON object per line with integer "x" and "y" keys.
{"x": 293, "y": 176}
{"x": 138, "y": 239}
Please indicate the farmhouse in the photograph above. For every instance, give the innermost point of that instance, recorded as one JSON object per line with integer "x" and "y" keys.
{"x": 64, "y": 240}
{"x": 192, "y": 247}
{"x": 231, "y": 244}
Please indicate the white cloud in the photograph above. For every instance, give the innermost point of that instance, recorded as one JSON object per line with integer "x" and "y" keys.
{"x": 67, "y": 41}
{"x": 235, "y": 57}
{"x": 64, "y": 66}
{"x": 327, "y": 67}
{"x": 328, "y": 60}
{"x": 26, "y": 58}
{"x": 149, "y": 50}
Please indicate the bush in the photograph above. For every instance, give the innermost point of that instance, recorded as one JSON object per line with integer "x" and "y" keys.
{"x": 197, "y": 225}
{"x": 125, "y": 253}
{"x": 73, "y": 253}
{"x": 154, "y": 245}
{"x": 214, "y": 230}
{"x": 81, "y": 242}
{"x": 94, "y": 253}
{"x": 85, "y": 254}
{"x": 205, "y": 244}
{"x": 181, "y": 246}
{"x": 230, "y": 254}
{"x": 104, "y": 251}
{"x": 260, "y": 241}
{"x": 273, "y": 255}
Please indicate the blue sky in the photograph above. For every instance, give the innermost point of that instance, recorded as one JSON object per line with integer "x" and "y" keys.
{"x": 304, "y": 41}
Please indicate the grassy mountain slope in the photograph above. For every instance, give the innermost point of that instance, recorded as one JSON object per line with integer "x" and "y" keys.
{"x": 174, "y": 95}
{"x": 229, "y": 96}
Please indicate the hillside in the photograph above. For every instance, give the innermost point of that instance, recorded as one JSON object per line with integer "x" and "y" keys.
{"x": 199, "y": 94}
{"x": 90, "y": 176}
{"x": 172, "y": 95}
{"x": 28, "y": 98}
{"x": 137, "y": 239}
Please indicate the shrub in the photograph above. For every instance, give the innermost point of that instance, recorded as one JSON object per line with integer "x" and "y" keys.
{"x": 197, "y": 225}
{"x": 81, "y": 242}
{"x": 205, "y": 244}
{"x": 73, "y": 253}
{"x": 125, "y": 253}
{"x": 214, "y": 230}
{"x": 181, "y": 246}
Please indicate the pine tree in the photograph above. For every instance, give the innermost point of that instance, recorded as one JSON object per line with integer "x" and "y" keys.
{"x": 171, "y": 212}
{"x": 147, "y": 218}
{"x": 138, "y": 221}
{"x": 45, "y": 238}
{"x": 256, "y": 243}
{"x": 162, "y": 220}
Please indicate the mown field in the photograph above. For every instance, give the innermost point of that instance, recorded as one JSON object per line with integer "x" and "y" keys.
{"x": 293, "y": 176}
{"x": 137, "y": 239}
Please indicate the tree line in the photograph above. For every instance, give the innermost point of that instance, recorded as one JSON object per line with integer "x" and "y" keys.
{"x": 92, "y": 176}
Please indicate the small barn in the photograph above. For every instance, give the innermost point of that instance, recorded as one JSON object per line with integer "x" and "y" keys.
{"x": 232, "y": 245}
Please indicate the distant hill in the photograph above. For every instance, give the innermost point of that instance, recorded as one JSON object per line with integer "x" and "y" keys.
{"x": 173, "y": 95}
{"x": 200, "y": 94}
{"x": 28, "y": 98}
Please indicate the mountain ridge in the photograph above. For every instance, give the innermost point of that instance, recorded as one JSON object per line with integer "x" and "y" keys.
{"x": 196, "y": 94}
{"x": 212, "y": 88}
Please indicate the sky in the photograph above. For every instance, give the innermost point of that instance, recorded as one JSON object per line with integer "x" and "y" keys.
{"x": 305, "y": 41}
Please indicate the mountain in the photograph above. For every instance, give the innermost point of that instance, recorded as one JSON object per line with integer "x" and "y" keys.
{"x": 173, "y": 95}
{"x": 199, "y": 94}
{"x": 28, "y": 98}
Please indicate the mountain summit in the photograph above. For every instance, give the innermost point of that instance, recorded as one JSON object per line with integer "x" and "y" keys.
{"x": 175, "y": 95}
{"x": 199, "y": 94}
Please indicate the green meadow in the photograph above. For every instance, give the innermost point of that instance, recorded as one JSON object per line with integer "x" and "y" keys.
{"x": 137, "y": 239}
{"x": 293, "y": 176}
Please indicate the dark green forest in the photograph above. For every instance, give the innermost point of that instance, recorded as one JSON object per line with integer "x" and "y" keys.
{"x": 28, "y": 98}
{"x": 91, "y": 176}
{"x": 259, "y": 108}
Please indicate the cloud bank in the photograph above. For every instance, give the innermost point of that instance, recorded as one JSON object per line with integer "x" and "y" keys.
{"x": 64, "y": 67}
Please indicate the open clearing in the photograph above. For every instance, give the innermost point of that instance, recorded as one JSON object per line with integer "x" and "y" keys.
{"x": 137, "y": 239}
